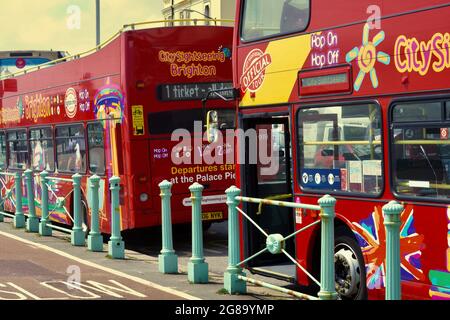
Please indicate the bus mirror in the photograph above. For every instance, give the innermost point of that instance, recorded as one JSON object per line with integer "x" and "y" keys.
{"x": 212, "y": 125}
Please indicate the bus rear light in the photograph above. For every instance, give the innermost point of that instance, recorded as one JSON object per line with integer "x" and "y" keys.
{"x": 140, "y": 84}
{"x": 143, "y": 179}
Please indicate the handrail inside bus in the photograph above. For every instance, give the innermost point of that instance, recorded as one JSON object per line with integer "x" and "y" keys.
{"x": 342, "y": 142}
{"x": 116, "y": 35}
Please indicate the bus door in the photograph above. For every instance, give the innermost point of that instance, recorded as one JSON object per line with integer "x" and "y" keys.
{"x": 269, "y": 181}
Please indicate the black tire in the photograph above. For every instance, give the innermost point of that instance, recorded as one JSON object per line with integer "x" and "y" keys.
{"x": 349, "y": 267}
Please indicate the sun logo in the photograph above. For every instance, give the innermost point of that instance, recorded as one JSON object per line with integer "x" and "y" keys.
{"x": 367, "y": 57}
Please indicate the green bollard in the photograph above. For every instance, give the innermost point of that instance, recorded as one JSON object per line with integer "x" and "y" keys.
{"x": 19, "y": 217}
{"x": 77, "y": 236}
{"x": 2, "y": 219}
{"x": 392, "y": 212}
{"x": 197, "y": 267}
{"x": 44, "y": 230}
{"x": 327, "y": 273}
{"x": 231, "y": 277}
{"x": 116, "y": 247}
{"x": 167, "y": 260}
{"x": 95, "y": 238}
{"x": 33, "y": 220}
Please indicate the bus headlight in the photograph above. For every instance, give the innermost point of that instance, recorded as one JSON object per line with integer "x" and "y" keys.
{"x": 143, "y": 197}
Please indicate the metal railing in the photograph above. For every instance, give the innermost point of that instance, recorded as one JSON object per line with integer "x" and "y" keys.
{"x": 44, "y": 226}
{"x": 234, "y": 278}
{"x": 18, "y": 217}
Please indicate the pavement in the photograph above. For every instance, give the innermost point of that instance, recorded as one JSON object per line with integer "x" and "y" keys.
{"x": 38, "y": 268}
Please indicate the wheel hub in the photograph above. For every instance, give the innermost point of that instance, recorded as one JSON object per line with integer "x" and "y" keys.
{"x": 348, "y": 275}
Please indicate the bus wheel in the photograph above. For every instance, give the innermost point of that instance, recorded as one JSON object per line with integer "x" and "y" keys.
{"x": 349, "y": 268}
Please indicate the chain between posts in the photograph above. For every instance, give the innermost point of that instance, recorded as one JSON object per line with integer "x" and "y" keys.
{"x": 275, "y": 243}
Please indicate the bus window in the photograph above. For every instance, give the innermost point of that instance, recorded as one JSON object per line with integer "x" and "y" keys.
{"x": 340, "y": 148}
{"x": 167, "y": 122}
{"x": 41, "y": 141}
{"x": 2, "y": 150}
{"x": 447, "y": 111}
{"x": 18, "y": 149}
{"x": 265, "y": 18}
{"x": 274, "y": 135}
{"x": 96, "y": 146}
{"x": 421, "y": 151}
{"x": 71, "y": 149}
{"x": 418, "y": 112}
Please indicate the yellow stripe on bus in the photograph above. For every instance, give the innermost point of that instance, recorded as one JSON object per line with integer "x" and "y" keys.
{"x": 288, "y": 57}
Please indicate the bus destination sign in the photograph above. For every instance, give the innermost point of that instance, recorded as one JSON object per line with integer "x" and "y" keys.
{"x": 194, "y": 91}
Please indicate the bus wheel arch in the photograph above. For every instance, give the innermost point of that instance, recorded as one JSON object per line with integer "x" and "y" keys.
{"x": 349, "y": 262}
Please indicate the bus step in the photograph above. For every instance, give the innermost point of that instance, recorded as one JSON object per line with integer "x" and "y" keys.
{"x": 266, "y": 272}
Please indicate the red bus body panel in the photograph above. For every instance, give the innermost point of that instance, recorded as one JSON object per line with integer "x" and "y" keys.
{"x": 122, "y": 77}
{"x": 417, "y": 43}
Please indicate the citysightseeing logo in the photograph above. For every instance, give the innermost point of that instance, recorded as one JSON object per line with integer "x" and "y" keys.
{"x": 422, "y": 56}
{"x": 254, "y": 70}
{"x": 71, "y": 103}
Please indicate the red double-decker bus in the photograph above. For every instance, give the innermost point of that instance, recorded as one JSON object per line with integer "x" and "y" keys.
{"x": 356, "y": 95}
{"x": 113, "y": 112}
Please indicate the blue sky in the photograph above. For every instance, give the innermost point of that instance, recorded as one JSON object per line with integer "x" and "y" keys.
{"x": 67, "y": 25}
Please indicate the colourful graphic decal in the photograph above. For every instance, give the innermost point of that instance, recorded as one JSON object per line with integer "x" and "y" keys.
{"x": 191, "y": 64}
{"x": 412, "y": 55}
{"x": 367, "y": 56}
{"x": 7, "y": 192}
{"x": 254, "y": 70}
{"x": 226, "y": 51}
{"x": 56, "y": 212}
{"x": 441, "y": 279}
{"x": 109, "y": 104}
{"x": 371, "y": 236}
{"x": 71, "y": 103}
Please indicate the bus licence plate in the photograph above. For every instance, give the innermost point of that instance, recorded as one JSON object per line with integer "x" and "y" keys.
{"x": 212, "y": 215}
